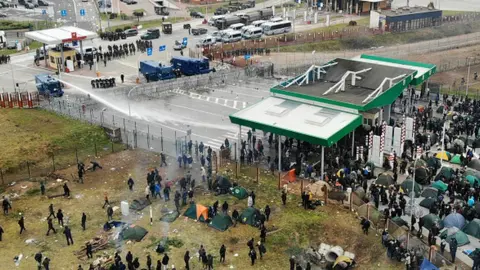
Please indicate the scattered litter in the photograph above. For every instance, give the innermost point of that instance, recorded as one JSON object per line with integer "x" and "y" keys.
{"x": 115, "y": 208}
{"x": 231, "y": 266}
{"x": 129, "y": 242}
{"x": 175, "y": 231}
{"x": 112, "y": 169}
{"x": 59, "y": 180}
{"x": 30, "y": 241}
{"x": 235, "y": 255}
{"x": 78, "y": 196}
{"x": 24, "y": 187}
{"x": 17, "y": 259}
{"x": 13, "y": 183}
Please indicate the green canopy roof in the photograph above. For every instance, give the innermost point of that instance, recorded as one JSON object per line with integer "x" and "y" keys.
{"x": 473, "y": 228}
{"x": 221, "y": 222}
{"x": 456, "y": 159}
{"x": 453, "y": 232}
{"x": 440, "y": 185}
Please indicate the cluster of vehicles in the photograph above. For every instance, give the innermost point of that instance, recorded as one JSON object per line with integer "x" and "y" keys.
{"x": 31, "y": 4}
{"x": 254, "y": 30}
{"x": 179, "y": 65}
{"x": 234, "y": 6}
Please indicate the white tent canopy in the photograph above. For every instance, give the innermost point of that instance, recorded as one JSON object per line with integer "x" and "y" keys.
{"x": 59, "y": 35}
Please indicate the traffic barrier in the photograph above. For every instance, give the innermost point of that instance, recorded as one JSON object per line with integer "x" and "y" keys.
{"x": 19, "y": 100}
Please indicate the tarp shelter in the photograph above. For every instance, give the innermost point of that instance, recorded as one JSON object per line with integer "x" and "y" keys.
{"x": 198, "y": 212}
{"x": 430, "y": 192}
{"x": 421, "y": 175}
{"x": 134, "y": 233}
{"x": 359, "y": 196}
{"x": 221, "y": 222}
{"x": 472, "y": 179}
{"x": 427, "y": 265}
{"x": 453, "y": 232}
{"x": 407, "y": 187}
{"x": 420, "y": 163}
{"x": 399, "y": 221}
{"x": 139, "y": 204}
{"x": 239, "y": 192}
{"x": 428, "y": 202}
{"x": 473, "y": 228}
{"x": 446, "y": 172}
{"x": 222, "y": 183}
{"x": 474, "y": 164}
{"x": 290, "y": 176}
{"x": 454, "y": 220}
{"x": 384, "y": 179}
{"x": 473, "y": 172}
{"x": 431, "y": 219}
{"x": 433, "y": 163}
{"x": 440, "y": 185}
{"x": 318, "y": 188}
{"x": 443, "y": 155}
{"x": 250, "y": 216}
{"x": 456, "y": 159}
{"x": 170, "y": 216}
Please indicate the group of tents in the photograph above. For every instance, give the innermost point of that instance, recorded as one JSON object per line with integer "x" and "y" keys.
{"x": 220, "y": 221}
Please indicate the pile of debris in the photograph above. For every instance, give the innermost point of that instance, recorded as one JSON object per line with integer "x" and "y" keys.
{"x": 98, "y": 243}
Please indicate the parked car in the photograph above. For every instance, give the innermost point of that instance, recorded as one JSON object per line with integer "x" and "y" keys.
{"x": 199, "y": 31}
{"x": 12, "y": 44}
{"x": 3, "y": 15}
{"x": 29, "y": 5}
{"x": 3, "y": 4}
{"x": 206, "y": 41}
{"x": 130, "y": 32}
{"x": 129, "y": 2}
{"x": 196, "y": 14}
{"x": 151, "y": 34}
{"x": 35, "y": 4}
{"x": 220, "y": 11}
{"x": 179, "y": 46}
{"x": 42, "y": 3}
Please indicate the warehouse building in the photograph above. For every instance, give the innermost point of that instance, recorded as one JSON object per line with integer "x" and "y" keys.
{"x": 405, "y": 18}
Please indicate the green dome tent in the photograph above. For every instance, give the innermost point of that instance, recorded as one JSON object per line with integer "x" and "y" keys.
{"x": 430, "y": 219}
{"x": 384, "y": 179}
{"x": 250, "y": 216}
{"x": 453, "y": 232}
{"x": 474, "y": 164}
{"x": 428, "y": 202}
{"x": 456, "y": 159}
{"x": 407, "y": 187}
{"x": 140, "y": 204}
{"x": 472, "y": 179}
{"x": 440, "y": 185}
{"x": 197, "y": 211}
{"x": 221, "y": 222}
{"x": 239, "y": 192}
{"x": 434, "y": 163}
{"x": 134, "y": 233}
{"x": 446, "y": 172}
{"x": 420, "y": 163}
{"x": 421, "y": 175}
{"x": 473, "y": 172}
{"x": 222, "y": 183}
{"x": 473, "y": 228}
{"x": 430, "y": 192}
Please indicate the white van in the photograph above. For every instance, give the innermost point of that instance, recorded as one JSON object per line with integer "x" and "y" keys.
{"x": 258, "y": 23}
{"x": 213, "y": 19}
{"x": 87, "y": 50}
{"x": 236, "y": 26}
{"x": 232, "y": 36}
{"x": 246, "y": 28}
{"x": 276, "y": 19}
{"x": 206, "y": 41}
{"x": 253, "y": 33}
{"x": 224, "y": 33}
{"x": 275, "y": 28}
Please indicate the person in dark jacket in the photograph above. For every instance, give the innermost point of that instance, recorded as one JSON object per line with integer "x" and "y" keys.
{"x": 60, "y": 217}
{"x": 66, "y": 190}
{"x": 225, "y": 208}
{"x": 159, "y": 265}
{"x": 267, "y": 212}
{"x": 261, "y": 249}
{"x": 165, "y": 261}
{"x": 109, "y": 213}
{"x": 129, "y": 257}
{"x": 250, "y": 244}
{"x": 21, "y": 223}
{"x": 186, "y": 259}
{"x": 284, "y": 197}
{"x": 38, "y": 258}
{"x": 84, "y": 221}
{"x": 50, "y": 226}
{"x": 89, "y": 250}
{"x": 149, "y": 262}
{"x": 68, "y": 235}
{"x": 453, "y": 248}
{"x": 130, "y": 182}
{"x": 136, "y": 263}
{"x": 1, "y": 232}
{"x": 46, "y": 263}
{"x": 223, "y": 250}
{"x": 263, "y": 234}
{"x": 235, "y": 215}
{"x": 51, "y": 211}
{"x": 292, "y": 263}
{"x": 253, "y": 256}
{"x": 6, "y": 205}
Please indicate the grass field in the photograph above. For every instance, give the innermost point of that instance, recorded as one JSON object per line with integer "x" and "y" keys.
{"x": 295, "y": 228}
{"x": 33, "y": 46}
{"x": 34, "y": 135}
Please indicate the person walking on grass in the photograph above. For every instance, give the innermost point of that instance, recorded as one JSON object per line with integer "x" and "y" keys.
{"x": 84, "y": 221}
{"x": 186, "y": 259}
{"x": 253, "y": 256}
{"x": 68, "y": 235}
{"x": 51, "y": 211}
{"x": 130, "y": 182}
{"x": 60, "y": 217}
{"x": 50, "y": 226}
{"x": 21, "y": 223}
{"x": 223, "y": 250}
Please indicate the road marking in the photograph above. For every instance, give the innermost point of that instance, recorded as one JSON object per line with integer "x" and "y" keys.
{"x": 244, "y": 104}
{"x": 225, "y": 104}
{"x": 208, "y": 98}
{"x": 216, "y": 100}
{"x": 235, "y": 104}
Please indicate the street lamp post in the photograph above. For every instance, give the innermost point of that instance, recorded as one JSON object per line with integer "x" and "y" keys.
{"x": 138, "y": 65}
{"x": 468, "y": 76}
{"x": 128, "y": 100}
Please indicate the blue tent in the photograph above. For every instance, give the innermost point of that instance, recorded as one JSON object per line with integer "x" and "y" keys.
{"x": 454, "y": 220}
{"x": 427, "y": 265}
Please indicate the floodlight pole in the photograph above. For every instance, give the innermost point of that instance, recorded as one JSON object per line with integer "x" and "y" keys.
{"x": 322, "y": 164}
{"x": 279, "y": 153}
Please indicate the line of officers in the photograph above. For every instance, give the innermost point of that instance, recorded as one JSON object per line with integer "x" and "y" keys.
{"x": 103, "y": 82}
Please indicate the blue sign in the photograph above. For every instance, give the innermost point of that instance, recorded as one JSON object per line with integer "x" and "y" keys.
{"x": 74, "y": 43}
{"x": 162, "y": 48}
{"x": 247, "y": 56}
{"x": 184, "y": 42}
{"x": 63, "y": 13}
{"x": 149, "y": 51}
{"x": 44, "y": 11}
{"x": 82, "y": 12}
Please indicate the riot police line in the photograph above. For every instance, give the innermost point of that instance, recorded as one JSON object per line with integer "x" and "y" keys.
{"x": 4, "y": 59}
{"x": 103, "y": 82}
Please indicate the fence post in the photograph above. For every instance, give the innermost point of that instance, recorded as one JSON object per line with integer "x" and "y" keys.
{"x": 113, "y": 120}
{"x": 161, "y": 138}
{"x": 368, "y": 211}
{"x": 28, "y": 168}
{"x": 279, "y": 180}
{"x": 135, "y": 136}
{"x": 112, "y": 145}
{"x": 76, "y": 154}
{"x": 53, "y": 161}
{"x": 301, "y": 185}
{"x": 125, "y": 131}
{"x": 95, "y": 147}
{"x": 326, "y": 196}
{"x": 351, "y": 203}
{"x": 148, "y": 136}
{"x": 1, "y": 175}
{"x": 258, "y": 173}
